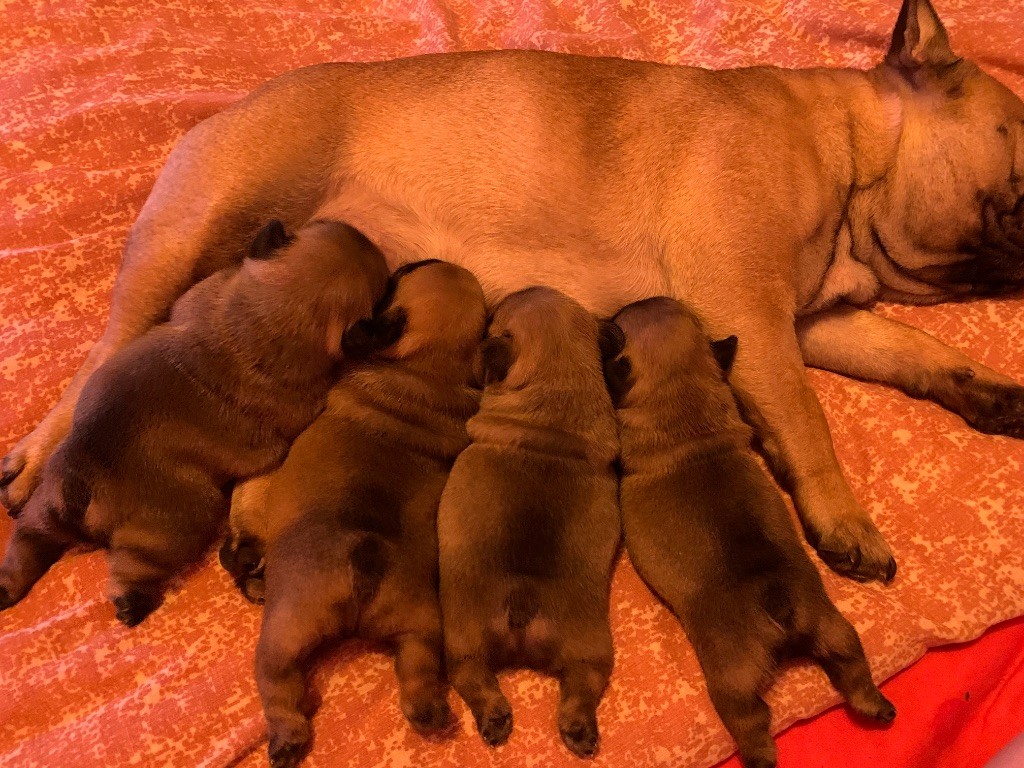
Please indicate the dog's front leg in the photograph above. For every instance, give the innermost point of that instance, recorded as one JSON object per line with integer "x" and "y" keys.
{"x": 771, "y": 383}
{"x": 858, "y": 343}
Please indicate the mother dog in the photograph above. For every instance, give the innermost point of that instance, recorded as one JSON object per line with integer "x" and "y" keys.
{"x": 777, "y": 202}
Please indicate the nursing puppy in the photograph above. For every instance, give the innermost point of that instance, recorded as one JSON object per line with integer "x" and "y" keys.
{"x": 165, "y": 426}
{"x": 709, "y": 533}
{"x": 528, "y": 525}
{"x": 348, "y": 522}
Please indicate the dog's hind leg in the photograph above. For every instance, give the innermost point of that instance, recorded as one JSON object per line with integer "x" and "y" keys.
{"x": 861, "y": 344}
{"x": 836, "y": 647}
{"x": 582, "y": 684}
{"x": 421, "y": 681}
{"x": 34, "y": 546}
{"x": 473, "y": 679}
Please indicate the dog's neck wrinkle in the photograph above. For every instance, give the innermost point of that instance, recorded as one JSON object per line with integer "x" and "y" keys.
{"x": 543, "y": 415}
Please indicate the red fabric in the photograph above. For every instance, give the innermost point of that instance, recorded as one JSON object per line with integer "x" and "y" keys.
{"x": 958, "y": 706}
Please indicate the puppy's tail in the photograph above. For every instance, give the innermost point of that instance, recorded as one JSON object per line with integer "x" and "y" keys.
{"x": 369, "y": 561}
{"x": 522, "y": 605}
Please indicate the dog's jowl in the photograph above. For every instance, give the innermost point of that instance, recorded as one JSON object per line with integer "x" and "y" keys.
{"x": 528, "y": 525}
{"x": 217, "y": 393}
{"x": 708, "y": 531}
{"x": 346, "y": 527}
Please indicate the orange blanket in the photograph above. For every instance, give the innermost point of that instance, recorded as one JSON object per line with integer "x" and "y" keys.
{"x": 93, "y": 94}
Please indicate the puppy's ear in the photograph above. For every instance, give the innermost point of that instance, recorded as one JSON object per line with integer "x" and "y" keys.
{"x": 724, "y": 351}
{"x": 919, "y": 39}
{"x": 371, "y": 335}
{"x": 268, "y": 240}
{"x": 616, "y": 377}
{"x": 493, "y": 360}
{"x": 610, "y": 339}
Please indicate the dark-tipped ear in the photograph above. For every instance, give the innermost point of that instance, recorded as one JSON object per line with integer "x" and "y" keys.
{"x": 371, "y": 335}
{"x": 919, "y": 39}
{"x": 268, "y": 240}
{"x": 724, "y": 351}
{"x": 617, "y": 372}
{"x": 610, "y": 339}
{"x": 493, "y": 360}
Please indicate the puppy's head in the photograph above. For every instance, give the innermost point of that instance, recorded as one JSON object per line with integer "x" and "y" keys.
{"x": 317, "y": 283}
{"x": 540, "y": 334}
{"x": 432, "y": 309}
{"x": 665, "y": 349}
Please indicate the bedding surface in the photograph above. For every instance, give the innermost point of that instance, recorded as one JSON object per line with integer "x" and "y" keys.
{"x": 93, "y": 95}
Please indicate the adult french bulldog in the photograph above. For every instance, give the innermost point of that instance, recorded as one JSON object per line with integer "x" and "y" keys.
{"x": 779, "y": 203}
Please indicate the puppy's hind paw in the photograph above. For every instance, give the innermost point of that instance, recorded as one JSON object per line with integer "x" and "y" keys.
{"x": 287, "y": 755}
{"x": 133, "y": 607}
{"x": 6, "y": 601}
{"x": 579, "y": 733}
{"x": 430, "y": 716}
{"x": 495, "y": 726}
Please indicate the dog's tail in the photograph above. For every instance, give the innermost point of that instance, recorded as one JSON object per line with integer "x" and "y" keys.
{"x": 522, "y": 605}
{"x": 368, "y": 559}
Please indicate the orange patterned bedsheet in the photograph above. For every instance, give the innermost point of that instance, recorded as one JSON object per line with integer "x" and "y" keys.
{"x": 92, "y": 97}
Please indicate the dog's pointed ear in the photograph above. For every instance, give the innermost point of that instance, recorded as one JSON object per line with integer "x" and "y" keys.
{"x": 272, "y": 237}
{"x": 494, "y": 358}
{"x": 920, "y": 39}
{"x": 610, "y": 339}
{"x": 724, "y": 351}
{"x": 373, "y": 334}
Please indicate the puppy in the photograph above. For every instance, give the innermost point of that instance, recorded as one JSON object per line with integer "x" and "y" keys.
{"x": 709, "y": 532}
{"x": 528, "y": 526}
{"x": 218, "y": 393}
{"x": 348, "y": 524}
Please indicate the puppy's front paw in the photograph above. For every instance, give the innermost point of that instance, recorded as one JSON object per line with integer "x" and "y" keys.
{"x": 856, "y": 549}
{"x": 495, "y": 725}
{"x": 579, "y": 733}
{"x": 133, "y": 607}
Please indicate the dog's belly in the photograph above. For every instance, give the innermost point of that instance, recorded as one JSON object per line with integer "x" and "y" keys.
{"x": 507, "y": 252}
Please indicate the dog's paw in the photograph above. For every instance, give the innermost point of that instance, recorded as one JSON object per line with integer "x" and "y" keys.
{"x": 877, "y": 707}
{"x": 254, "y": 588}
{"x": 995, "y": 409}
{"x": 856, "y": 549}
{"x": 133, "y": 607}
{"x": 495, "y": 725}
{"x": 12, "y": 497}
{"x": 430, "y": 716}
{"x": 579, "y": 733}
{"x": 286, "y": 755}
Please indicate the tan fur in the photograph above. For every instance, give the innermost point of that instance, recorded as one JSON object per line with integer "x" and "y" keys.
{"x": 760, "y": 195}
{"x": 708, "y": 531}
{"x": 528, "y": 524}
{"x": 171, "y": 420}
{"x": 344, "y": 533}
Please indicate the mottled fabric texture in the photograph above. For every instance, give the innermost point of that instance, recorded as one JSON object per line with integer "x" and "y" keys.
{"x": 93, "y": 95}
